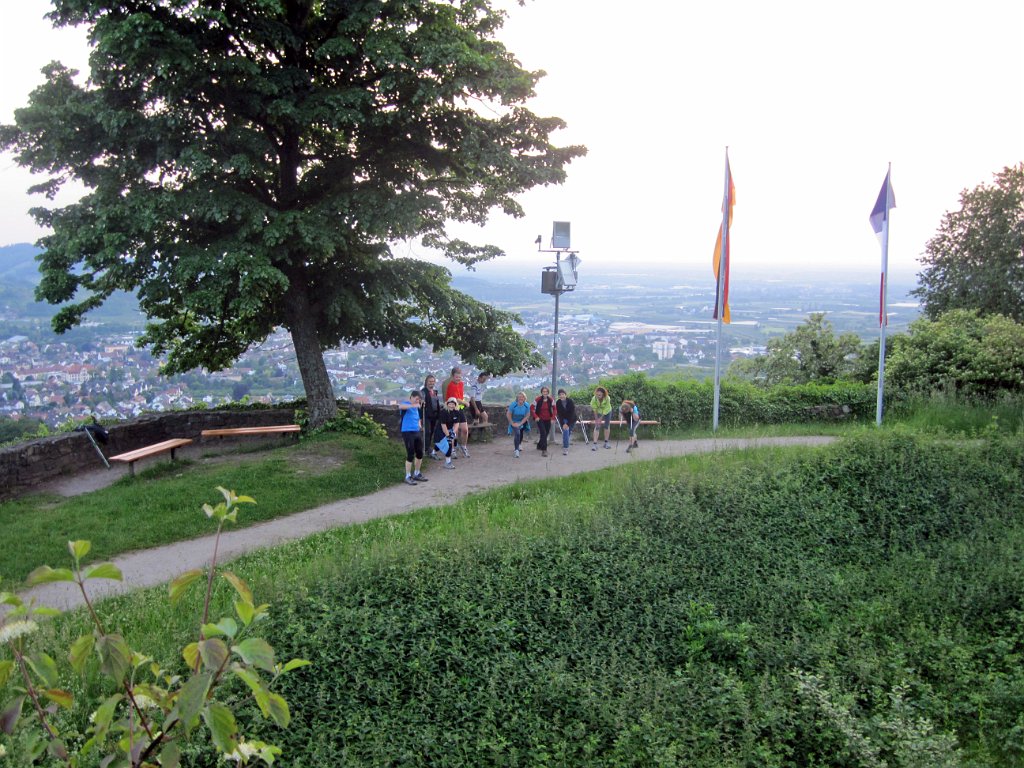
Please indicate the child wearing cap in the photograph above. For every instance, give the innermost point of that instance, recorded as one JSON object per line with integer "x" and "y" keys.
{"x": 449, "y": 418}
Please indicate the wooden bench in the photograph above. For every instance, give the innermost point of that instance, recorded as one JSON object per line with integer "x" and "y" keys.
{"x": 167, "y": 446}
{"x": 483, "y": 431}
{"x": 280, "y": 429}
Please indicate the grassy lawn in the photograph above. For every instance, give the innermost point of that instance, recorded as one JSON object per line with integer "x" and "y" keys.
{"x": 163, "y": 504}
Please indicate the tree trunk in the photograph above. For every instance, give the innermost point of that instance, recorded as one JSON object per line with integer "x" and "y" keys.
{"x": 321, "y": 405}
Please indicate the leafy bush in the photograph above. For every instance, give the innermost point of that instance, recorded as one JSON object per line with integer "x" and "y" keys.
{"x": 141, "y": 712}
{"x": 861, "y": 605}
{"x": 677, "y": 403}
{"x": 344, "y": 422}
{"x": 960, "y": 352}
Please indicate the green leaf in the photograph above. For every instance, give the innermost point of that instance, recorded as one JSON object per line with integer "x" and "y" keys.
{"x": 279, "y": 710}
{"x": 10, "y": 714}
{"x": 246, "y": 611}
{"x": 257, "y": 686}
{"x": 103, "y": 571}
{"x": 81, "y": 649}
{"x": 190, "y": 653}
{"x": 9, "y": 598}
{"x": 45, "y": 610}
{"x": 115, "y": 656}
{"x": 228, "y": 626}
{"x": 44, "y": 574}
{"x": 295, "y": 664}
{"x": 170, "y": 756}
{"x": 257, "y": 652}
{"x": 79, "y": 549}
{"x": 104, "y": 713}
{"x": 45, "y": 668}
{"x": 221, "y": 722}
{"x": 59, "y": 697}
{"x": 6, "y": 665}
{"x": 191, "y": 698}
{"x": 214, "y": 652}
{"x": 180, "y": 584}
{"x": 240, "y": 586}
{"x": 211, "y": 630}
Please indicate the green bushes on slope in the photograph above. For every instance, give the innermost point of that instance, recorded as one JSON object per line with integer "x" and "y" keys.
{"x": 861, "y": 605}
{"x": 680, "y": 403}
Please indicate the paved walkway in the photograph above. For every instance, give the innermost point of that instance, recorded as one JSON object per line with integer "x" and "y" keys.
{"x": 490, "y": 465}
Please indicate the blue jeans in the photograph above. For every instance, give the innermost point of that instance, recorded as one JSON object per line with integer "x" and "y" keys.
{"x": 566, "y": 433}
{"x": 517, "y": 436}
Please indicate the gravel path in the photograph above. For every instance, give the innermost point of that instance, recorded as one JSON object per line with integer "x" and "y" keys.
{"x": 489, "y": 465}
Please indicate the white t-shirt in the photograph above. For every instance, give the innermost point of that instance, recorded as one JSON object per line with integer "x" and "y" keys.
{"x": 476, "y": 391}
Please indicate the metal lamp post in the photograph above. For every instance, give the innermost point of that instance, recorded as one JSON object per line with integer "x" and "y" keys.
{"x": 559, "y": 279}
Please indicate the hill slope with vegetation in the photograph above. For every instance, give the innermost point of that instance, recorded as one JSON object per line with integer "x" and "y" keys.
{"x": 860, "y": 605}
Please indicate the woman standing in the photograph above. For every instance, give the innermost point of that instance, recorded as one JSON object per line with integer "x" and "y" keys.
{"x": 432, "y": 413}
{"x": 602, "y": 406}
{"x": 518, "y": 416}
{"x": 543, "y": 410}
{"x": 565, "y": 415}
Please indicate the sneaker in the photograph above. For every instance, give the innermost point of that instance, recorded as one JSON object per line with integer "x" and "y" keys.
{"x": 544, "y": 453}
{"x": 410, "y": 481}
{"x": 629, "y": 448}
{"x": 565, "y": 451}
{"x": 606, "y": 445}
{"x": 435, "y": 455}
{"x": 593, "y": 447}
{"x": 517, "y": 453}
{"x": 419, "y": 478}
{"x": 449, "y": 465}
{"x": 465, "y": 452}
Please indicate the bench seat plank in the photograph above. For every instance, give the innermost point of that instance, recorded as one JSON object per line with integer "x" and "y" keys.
{"x": 279, "y": 429}
{"x": 167, "y": 446}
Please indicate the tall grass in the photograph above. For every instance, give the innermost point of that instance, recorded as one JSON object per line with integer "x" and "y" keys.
{"x": 945, "y": 412}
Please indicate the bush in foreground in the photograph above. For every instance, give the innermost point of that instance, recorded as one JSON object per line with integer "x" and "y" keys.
{"x": 859, "y": 606}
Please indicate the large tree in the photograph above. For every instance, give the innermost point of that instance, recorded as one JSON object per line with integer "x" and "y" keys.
{"x": 247, "y": 163}
{"x": 976, "y": 260}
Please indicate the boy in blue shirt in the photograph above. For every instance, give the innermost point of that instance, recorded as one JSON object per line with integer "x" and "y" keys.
{"x": 412, "y": 436}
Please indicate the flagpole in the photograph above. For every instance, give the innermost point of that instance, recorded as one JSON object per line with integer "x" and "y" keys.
{"x": 723, "y": 270}
{"x": 883, "y": 308}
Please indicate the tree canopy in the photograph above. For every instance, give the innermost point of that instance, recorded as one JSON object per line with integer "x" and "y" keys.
{"x": 811, "y": 353}
{"x": 976, "y": 260}
{"x": 248, "y": 162}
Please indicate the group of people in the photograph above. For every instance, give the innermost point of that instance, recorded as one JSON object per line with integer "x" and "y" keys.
{"x": 443, "y": 416}
{"x": 561, "y": 412}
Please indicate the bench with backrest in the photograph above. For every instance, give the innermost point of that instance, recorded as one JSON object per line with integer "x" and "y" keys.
{"x": 279, "y": 429}
{"x": 167, "y": 446}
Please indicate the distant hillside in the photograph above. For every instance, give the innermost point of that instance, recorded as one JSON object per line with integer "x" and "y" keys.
{"x": 19, "y": 276}
{"x": 18, "y": 264}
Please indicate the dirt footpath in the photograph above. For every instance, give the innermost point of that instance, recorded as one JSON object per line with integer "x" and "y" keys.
{"x": 489, "y": 465}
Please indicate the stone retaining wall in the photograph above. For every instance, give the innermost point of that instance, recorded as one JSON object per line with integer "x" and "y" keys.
{"x": 27, "y": 465}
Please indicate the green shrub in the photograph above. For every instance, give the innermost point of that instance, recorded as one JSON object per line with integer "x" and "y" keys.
{"x": 859, "y": 605}
{"x": 682, "y": 403}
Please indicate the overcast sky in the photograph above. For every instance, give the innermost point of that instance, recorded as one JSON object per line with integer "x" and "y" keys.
{"x": 812, "y": 98}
